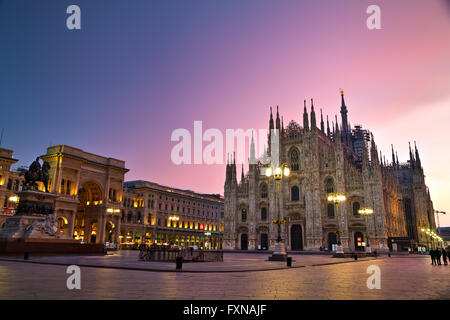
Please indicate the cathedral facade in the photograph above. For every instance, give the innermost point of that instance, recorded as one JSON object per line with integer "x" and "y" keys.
{"x": 325, "y": 161}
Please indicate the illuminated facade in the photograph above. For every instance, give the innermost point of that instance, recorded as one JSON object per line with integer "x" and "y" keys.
{"x": 94, "y": 204}
{"x": 10, "y": 183}
{"x": 155, "y": 214}
{"x": 324, "y": 161}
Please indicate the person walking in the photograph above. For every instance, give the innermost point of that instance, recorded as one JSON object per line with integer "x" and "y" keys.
{"x": 433, "y": 257}
{"x": 444, "y": 256}
{"x": 438, "y": 256}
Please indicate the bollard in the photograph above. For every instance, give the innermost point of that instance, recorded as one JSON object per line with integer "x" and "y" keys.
{"x": 179, "y": 262}
{"x": 356, "y": 257}
{"x": 25, "y": 256}
{"x": 289, "y": 261}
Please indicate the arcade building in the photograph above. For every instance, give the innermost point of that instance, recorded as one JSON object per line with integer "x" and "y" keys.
{"x": 96, "y": 205}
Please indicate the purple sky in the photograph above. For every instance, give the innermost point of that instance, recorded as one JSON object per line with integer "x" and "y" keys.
{"x": 139, "y": 70}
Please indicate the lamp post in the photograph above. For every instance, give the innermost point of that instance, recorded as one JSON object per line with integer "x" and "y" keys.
{"x": 278, "y": 173}
{"x": 337, "y": 198}
{"x": 366, "y": 212}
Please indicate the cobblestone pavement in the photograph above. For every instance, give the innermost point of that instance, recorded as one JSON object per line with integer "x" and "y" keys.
{"x": 232, "y": 262}
{"x": 401, "y": 278}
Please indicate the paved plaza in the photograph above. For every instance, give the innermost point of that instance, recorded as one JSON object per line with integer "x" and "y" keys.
{"x": 313, "y": 277}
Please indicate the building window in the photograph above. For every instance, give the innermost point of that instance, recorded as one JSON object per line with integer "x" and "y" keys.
{"x": 356, "y": 208}
{"x": 244, "y": 214}
{"x": 295, "y": 194}
{"x": 329, "y": 185}
{"x": 263, "y": 214}
{"x": 264, "y": 191}
{"x": 330, "y": 210}
{"x": 293, "y": 159}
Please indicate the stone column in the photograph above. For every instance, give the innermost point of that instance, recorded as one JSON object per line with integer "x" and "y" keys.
{"x": 71, "y": 226}
{"x": 101, "y": 226}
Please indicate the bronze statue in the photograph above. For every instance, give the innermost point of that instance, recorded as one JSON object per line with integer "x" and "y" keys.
{"x": 36, "y": 173}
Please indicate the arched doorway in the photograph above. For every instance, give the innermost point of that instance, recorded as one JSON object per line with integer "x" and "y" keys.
{"x": 94, "y": 232}
{"x": 244, "y": 241}
{"x": 359, "y": 239}
{"x": 264, "y": 241}
{"x": 89, "y": 209}
{"x": 296, "y": 238}
{"x": 332, "y": 239}
{"x": 63, "y": 225}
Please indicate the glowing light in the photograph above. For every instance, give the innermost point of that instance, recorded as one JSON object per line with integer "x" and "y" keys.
{"x": 278, "y": 171}
{"x": 14, "y": 199}
{"x": 365, "y": 211}
{"x": 268, "y": 172}
{"x": 286, "y": 172}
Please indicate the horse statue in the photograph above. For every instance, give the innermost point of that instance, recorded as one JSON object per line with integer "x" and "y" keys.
{"x": 36, "y": 173}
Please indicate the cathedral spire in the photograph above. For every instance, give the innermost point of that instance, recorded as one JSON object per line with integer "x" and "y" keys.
{"x": 322, "y": 125}
{"x": 271, "y": 121}
{"x": 344, "y": 119}
{"x": 337, "y": 135}
{"x": 313, "y": 116}
{"x": 278, "y": 120}
{"x": 252, "y": 151}
{"x": 242, "y": 173}
{"x": 393, "y": 155}
{"x": 411, "y": 156}
{"x": 282, "y": 126}
{"x": 305, "y": 117}
{"x": 417, "y": 154}
{"x": 328, "y": 128}
{"x": 396, "y": 159}
{"x": 373, "y": 150}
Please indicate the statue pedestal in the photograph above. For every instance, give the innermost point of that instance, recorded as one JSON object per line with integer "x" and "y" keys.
{"x": 34, "y": 217}
{"x": 280, "y": 252}
{"x": 34, "y": 229}
{"x": 339, "y": 252}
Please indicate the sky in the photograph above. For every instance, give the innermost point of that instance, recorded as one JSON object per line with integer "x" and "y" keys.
{"x": 138, "y": 70}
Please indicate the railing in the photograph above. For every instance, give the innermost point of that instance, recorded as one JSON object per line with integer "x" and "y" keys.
{"x": 166, "y": 254}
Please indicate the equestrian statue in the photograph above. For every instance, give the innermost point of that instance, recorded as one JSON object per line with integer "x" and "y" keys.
{"x": 36, "y": 173}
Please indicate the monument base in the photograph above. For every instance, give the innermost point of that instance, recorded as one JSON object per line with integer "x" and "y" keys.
{"x": 34, "y": 229}
{"x": 339, "y": 252}
{"x": 48, "y": 246}
{"x": 279, "y": 253}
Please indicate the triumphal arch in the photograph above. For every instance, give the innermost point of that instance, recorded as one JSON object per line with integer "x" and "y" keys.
{"x": 89, "y": 189}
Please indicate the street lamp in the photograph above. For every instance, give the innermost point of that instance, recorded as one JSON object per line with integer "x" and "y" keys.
{"x": 278, "y": 173}
{"x": 366, "y": 212}
{"x": 337, "y": 198}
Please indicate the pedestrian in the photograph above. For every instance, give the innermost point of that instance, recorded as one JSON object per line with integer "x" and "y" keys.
{"x": 438, "y": 256}
{"x": 444, "y": 256}
{"x": 433, "y": 257}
